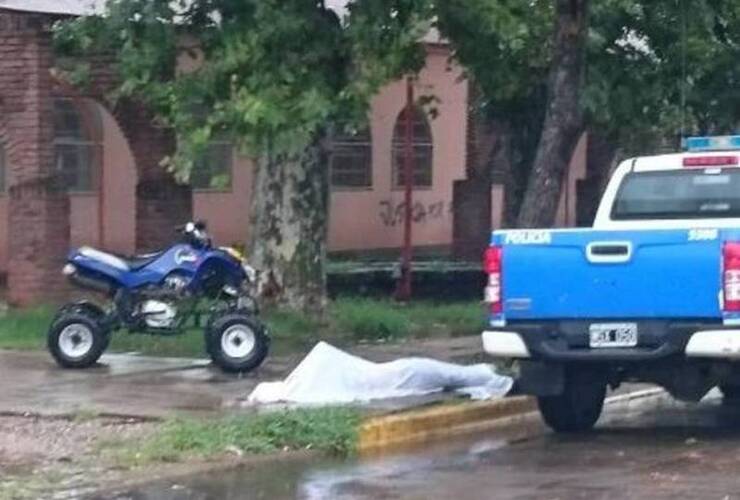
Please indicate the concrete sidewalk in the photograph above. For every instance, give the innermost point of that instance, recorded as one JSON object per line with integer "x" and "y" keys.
{"x": 127, "y": 384}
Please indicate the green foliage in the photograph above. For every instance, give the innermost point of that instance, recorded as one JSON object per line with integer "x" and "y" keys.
{"x": 643, "y": 55}
{"x": 636, "y": 67}
{"x": 504, "y": 45}
{"x": 331, "y": 430}
{"x": 269, "y": 73}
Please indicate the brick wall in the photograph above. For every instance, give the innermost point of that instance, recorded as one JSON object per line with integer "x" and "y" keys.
{"x": 38, "y": 210}
{"x": 161, "y": 203}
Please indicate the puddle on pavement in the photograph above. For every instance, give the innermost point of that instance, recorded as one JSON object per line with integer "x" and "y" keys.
{"x": 272, "y": 481}
{"x": 639, "y": 427}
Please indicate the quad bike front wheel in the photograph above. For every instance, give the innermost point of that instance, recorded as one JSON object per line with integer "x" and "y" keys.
{"x": 237, "y": 343}
{"x": 76, "y": 339}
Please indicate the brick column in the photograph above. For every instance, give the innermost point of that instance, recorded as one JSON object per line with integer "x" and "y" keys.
{"x": 471, "y": 197}
{"x": 161, "y": 203}
{"x": 38, "y": 210}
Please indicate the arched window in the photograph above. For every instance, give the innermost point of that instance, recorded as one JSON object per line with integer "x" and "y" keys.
{"x": 212, "y": 171}
{"x": 352, "y": 160}
{"x": 422, "y": 147}
{"x": 76, "y": 154}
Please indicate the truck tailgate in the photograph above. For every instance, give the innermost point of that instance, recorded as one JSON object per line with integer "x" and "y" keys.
{"x": 572, "y": 274}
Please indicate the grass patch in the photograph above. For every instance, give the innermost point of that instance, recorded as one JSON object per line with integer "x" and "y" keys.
{"x": 330, "y": 430}
{"x": 25, "y": 328}
{"x": 369, "y": 319}
{"x": 456, "y": 319}
{"x": 347, "y": 320}
{"x": 190, "y": 344}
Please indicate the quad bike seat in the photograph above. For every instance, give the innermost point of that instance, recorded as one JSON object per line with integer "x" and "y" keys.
{"x": 124, "y": 263}
{"x": 141, "y": 260}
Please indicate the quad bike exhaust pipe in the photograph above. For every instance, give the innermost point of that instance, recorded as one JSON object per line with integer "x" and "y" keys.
{"x": 96, "y": 284}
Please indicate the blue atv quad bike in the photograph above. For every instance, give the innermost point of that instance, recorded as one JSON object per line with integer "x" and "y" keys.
{"x": 191, "y": 283}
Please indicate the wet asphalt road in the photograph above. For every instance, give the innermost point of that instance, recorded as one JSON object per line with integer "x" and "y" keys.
{"x": 145, "y": 386}
{"x": 653, "y": 448}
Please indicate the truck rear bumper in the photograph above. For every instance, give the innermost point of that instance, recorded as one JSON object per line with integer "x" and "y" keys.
{"x": 724, "y": 344}
{"x": 504, "y": 344}
{"x": 567, "y": 342}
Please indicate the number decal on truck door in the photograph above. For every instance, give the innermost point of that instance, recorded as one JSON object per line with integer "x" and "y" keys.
{"x": 703, "y": 234}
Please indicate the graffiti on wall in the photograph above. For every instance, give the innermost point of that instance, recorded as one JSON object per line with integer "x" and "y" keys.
{"x": 393, "y": 213}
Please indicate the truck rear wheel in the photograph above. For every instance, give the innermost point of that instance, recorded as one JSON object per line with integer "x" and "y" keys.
{"x": 579, "y": 406}
{"x": 730, "y": 394}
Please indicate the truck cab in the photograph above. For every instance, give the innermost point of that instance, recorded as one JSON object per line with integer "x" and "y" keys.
{"x": 651, "y": 293}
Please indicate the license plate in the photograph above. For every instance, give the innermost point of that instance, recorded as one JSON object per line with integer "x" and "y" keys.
{"x": 613, "y": 335}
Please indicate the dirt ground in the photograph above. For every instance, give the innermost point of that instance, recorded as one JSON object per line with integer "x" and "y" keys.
{"x": 38, "y": 453}
{"x": 31, "y": 441}
{"x": 44, "y": 458}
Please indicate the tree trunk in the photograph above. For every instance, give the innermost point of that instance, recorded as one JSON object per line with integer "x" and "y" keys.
{"x": 289, "y": 228}
{"x": 563, "y": 122}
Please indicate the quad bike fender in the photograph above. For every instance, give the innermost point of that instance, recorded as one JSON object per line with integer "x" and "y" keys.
{"x": 86, "y": 307}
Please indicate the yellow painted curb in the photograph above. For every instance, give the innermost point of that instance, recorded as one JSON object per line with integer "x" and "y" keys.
{"x": 417, "y": 426}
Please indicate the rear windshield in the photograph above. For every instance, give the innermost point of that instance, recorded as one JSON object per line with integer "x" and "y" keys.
{"x": 679, "y": 194}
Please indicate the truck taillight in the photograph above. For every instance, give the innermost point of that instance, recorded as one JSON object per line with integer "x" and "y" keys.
{"x": 731, "y": 276}
{"x": 492, "y": 267}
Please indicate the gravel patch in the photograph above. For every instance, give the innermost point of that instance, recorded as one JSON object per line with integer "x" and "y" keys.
{"x": 27, "y": 443}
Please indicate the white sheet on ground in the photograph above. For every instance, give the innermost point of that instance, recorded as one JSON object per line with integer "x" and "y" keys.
{"x": 328, "y": 375}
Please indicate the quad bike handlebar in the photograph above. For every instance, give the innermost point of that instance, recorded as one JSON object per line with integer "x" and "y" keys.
{"x": 195, "y": 232}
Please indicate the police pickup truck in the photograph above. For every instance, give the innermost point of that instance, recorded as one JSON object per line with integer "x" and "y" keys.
{"x": 651, "y": 293}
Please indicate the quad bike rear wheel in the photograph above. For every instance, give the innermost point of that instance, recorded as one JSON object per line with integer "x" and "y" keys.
{"x": 237, "y": 343}
{"x": 76, "y": 339}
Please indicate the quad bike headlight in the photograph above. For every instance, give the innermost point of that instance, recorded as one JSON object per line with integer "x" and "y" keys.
{"x": 250, "y": 272}
{"x": 69, "y": 270}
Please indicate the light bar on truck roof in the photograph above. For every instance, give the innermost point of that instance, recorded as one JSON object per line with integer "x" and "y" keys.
{"x": 718, "y": 143}
{"x": 710, "y": 161}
